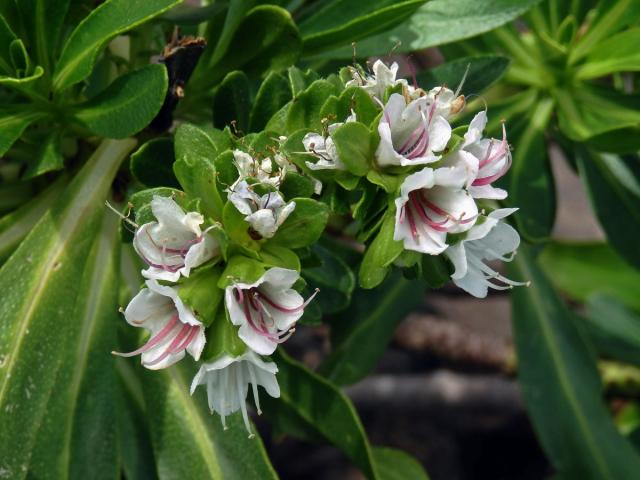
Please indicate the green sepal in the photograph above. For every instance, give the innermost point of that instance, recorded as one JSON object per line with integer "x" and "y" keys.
{"x": 222, "y": 339}
{"x": 201, "y": 294}
{"x": 241, "y": 269}
{"x": 237, "y": 227}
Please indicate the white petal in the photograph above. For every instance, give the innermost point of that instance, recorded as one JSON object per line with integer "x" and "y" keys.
{"x": 255, "y": 341}
{"x": 439, "y": 134}
{"x": 488, "y": 192}
{"x": 197, "y": 345}
{"x": 502, "y": 239}
{"x": 185, "y": 313}
{"x": 199, "y": 253}
{"x": 264, "y": 222}
{"x": 457, "y": 254}
{"x": 236, "y": 313}
{"x": 476, "y": 127}
{"x": 277, "y": 278}
{"x": 473, "y": 283}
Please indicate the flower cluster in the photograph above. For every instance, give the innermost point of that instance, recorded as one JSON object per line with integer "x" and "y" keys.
{"x": 227, "y": 310}
{"x": 442, "y": 178}
{"x": 223, "y": 269}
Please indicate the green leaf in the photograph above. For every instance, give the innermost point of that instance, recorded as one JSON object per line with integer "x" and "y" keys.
{"x": 6, "y": 37}
{"x": 531, "y": 186}
{"x": 266, "y": 40}
{"x": 48, "y": 157}
{"x": 397, "y": 465}
{"x": 614, "y": 54}
{"x": 14, "y": 121}
{"x": 300, "y": 80}
{"x": 354, "y": 144}
{"x": 380, "y": 254}
{"x": 83, "y": 442}
{"x": 312, "y": 403}
{"x": 194, "y": 169}
{"x": 613, "y": 329}
{"x": 361, "y": 333}
{"x": 16, "y": 225}
{"x": 580, "y": 270}
{"x": 49, "y": 314}
{"x": 188, "y": 442}
{"x": 305, "y": 107}
{"x": 112, "y": 18}
{"x": 304, "y": 225}
{"x": 438, "y": 22}
{"x": 608, "y": 18}
{"x": 237, "y": 227}
{"x": 152, "y": 163}
{"x": 614, "y": 204}
{"x": 587, "y": 111}
{"x": 342, "y": 22}
{"x": 231, "y": 102}
{"x": 561, "y": 386}
{"x": 296, "y": 185}
{"x": 333, "y": 277}
{"x": 127, "y": 105}
{"x": 273, "y": 94}
{"x": 484, "y": 70}
{"x": 42, "y": 21}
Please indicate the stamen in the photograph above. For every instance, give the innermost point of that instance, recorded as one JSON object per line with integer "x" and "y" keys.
{"x": 171, "y": 349}
{"x": 242, "y": 400}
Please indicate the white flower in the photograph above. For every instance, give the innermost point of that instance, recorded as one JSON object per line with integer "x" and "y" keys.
{"x": 266, "y": 310}
{"x": 490, "y": 240}
{"x": 227, "y": 379}
{"x": 431, "y": 204}
{"x": 264, "y": 213}
{"x": 174, "y": 244}
{"x": 376, "y": 84}
{"x": 447, "y": 102}
{"x": 174, "y": 327}
{"x": 411, "y": 134}
{"x": 494, "y": 158}
{"x": 261, "y": 170}
{"x": 324, "y": 149}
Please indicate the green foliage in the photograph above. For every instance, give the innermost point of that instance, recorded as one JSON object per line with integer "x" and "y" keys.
{"x": 561, "y": 386}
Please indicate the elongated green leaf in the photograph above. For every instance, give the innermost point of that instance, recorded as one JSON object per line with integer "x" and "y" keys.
{"x": 380, "y": 254}
{"x": 42, "y": 21}
{"x": 608, "y": 19}
{"x": 127, "y": 105}
{"x": 613, "y": 329}
{"x": 13, "y": 122}
{"x": 531, "y": 186}
{"x": 17, "y": 224}
{"x": 354, "y": 144}
{"x": 484, "y": 70}
{"x": 316, "y": 405}
{"x": 583, "y": 269}
{"x": 48, "y": 157}
{"x": 588, "y": 111}
{"x": 615, "y": 205}
{"x": 110, "y": 19}
{"x": 561, "y": 387}
{"x": 82, "y": 441}
{"x": 320, "y": 31}
{"x": 438, "y": 22}
{"x": 188, "y": 442}
{"x": 267, "y": 39}
{"x": 361, "y": 333}
{"x": 136, "y": 452}
{"x": 6, "y": 37}
{"x": 397, "y": 465}
{"x": 42, "y": 288}
{"x": 615, "y": 54}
